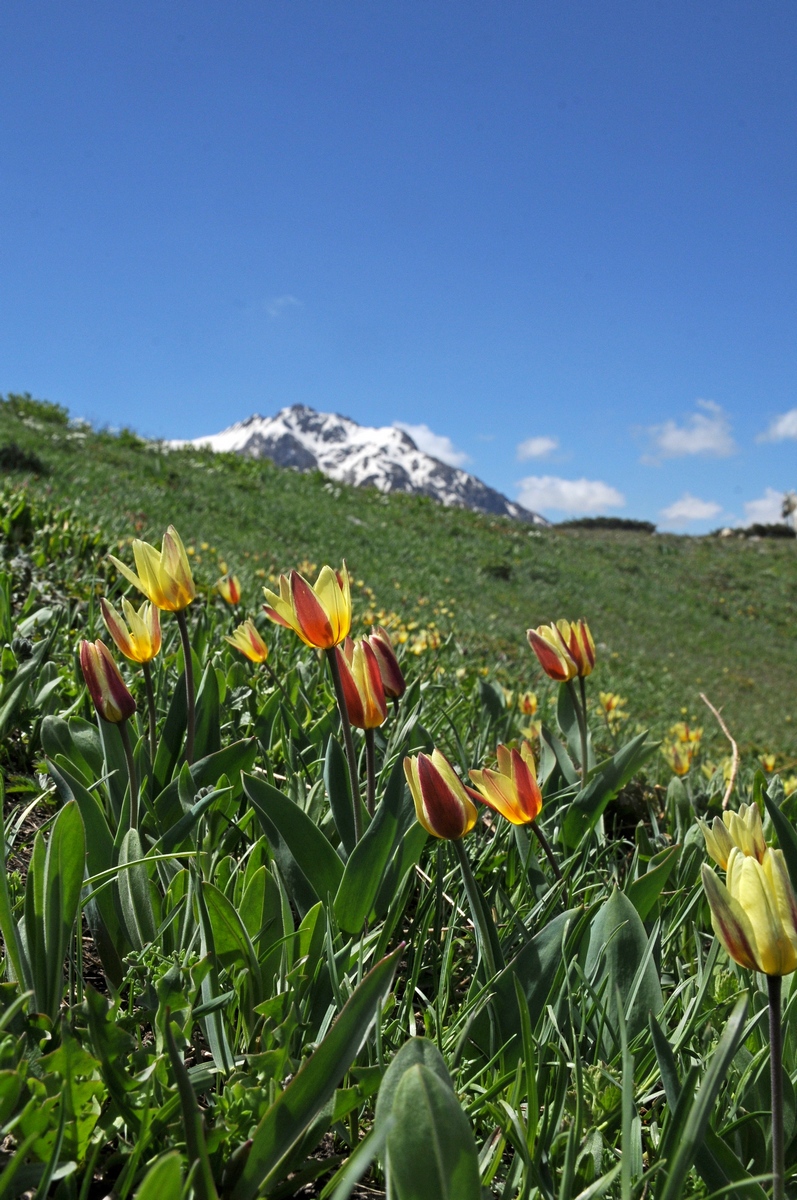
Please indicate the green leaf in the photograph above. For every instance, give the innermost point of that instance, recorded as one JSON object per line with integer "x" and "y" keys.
{"x": 207, "y": 736}
{"x": 206, "y": 772}
{"x": 170, "y": 743}
{"x": 692, "y": 1135}
{"x": 134, "y": 897}
{"x": 314, "y": 1085}
{"x": 430, "y": 1153}
{"x": 193, "y": 1124}
{"x": 63, "y": 879}
{"x": 583, "y": 812}
{"x": 231, "y": 939}
{"x": 336, "y": 782}
{"x": 618, "y": 952}
{"x": 787, "y": 836}
{"x": 369, "y": 858}
{"x": 314, "y": 855}
{"x": 645, "y": 891}
{"x": 163, "y": 1181}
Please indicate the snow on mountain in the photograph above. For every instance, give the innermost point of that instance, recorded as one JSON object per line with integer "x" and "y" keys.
{"x": 385, "y": 458}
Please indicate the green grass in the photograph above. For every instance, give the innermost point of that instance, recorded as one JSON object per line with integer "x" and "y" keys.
{"x": 672, "y": 616}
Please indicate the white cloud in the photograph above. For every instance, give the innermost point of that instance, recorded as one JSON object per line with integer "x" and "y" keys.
{"x": 783, "y": 427}
{"x": 568, "y": 495}
{"x": 537, "y": 447}
{"x": 706, "y": 432}
{"x": 766, "y": 510}
{"x": 278, "y": 305}
{"x": 436, "y": 444}
{"x": 690, "y": 508}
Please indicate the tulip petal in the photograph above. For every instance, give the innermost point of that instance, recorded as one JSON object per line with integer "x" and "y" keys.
{"x": 314, "y": 626}
{"x": 729, "y": 921}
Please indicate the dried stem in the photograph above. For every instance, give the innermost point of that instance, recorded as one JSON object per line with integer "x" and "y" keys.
{"x": 726, "y": 799}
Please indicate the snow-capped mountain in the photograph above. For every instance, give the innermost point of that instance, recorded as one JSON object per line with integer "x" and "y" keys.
{"x": 385, "y": 458}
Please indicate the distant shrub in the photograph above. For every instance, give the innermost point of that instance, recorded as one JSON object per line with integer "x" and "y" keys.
{"x": 769, "y": 531}
{"x": 625, "y": 523}
{"x": 15, "y": 458}
{"x": 498, "y": 570}
{"x": 24, "y": 405}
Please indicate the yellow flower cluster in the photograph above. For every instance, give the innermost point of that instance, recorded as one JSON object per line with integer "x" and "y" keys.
{"x": 683, "y": 748}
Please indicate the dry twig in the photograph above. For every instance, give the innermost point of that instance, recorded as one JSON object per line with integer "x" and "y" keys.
{"x": 734, "y": 748}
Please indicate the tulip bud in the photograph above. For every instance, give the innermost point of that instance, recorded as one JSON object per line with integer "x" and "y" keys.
{"x": 442, "y": 805}
{"x": 362, "y": 684}
{"x": 229, "y": 588}
{"x": 104, "y": 681}
{"x": 247, "y": 639}
{"x": 552, "y": 653}
{"x": 392, "y": 678}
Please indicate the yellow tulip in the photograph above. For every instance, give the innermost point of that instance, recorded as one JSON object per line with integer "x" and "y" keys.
{"x": 552, "y": 653}
{"x": 319, "y": 614}
{"x": 743, "y": 830}
{"x": 512, "y": 790}
{"x": 754, "y": 914}
{"x": 247, "y": 639}
{"x": 165, "y": 578}
{"x": 578, "y": 642}
{"x": 138, "y": 634}
{"x": 229, "y": 588}
{"x": 363, "y": 690}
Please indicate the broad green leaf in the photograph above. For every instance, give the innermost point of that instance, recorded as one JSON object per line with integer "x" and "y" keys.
{"x": 170, "y": 742}
{"x": 336, "y": 782}
{"x": 232, "y": 943}
{"x": 368, "y": 861}
{"x": 63, "y": 879}
{"x": 431, "y": 1152}
{"x": 163, "y": 1181}
{"x": 134, "y": 897}
{"x": 316, "y": 858}
{"x": 406, "y": 857}
{"x": 207, "y": 737}
{"x": 314, "y": 1085}
{"x": 645, "y": 891}
{"x": 583, "y": 812}
{"x": 416, "y": 1051}
{"x": 787, "y": 836}
{"x": 618, "y": 952}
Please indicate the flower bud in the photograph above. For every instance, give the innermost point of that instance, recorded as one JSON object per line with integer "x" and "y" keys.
{"x": 104, "y": 681}
{"x": 512, "y": 790}
{"x": 139, "y": 637}
{"x": 442, "y": 804}
{"x": 552, "y": 653}
{"x": 392, "y": 678}
{"x": 362, "y": 684}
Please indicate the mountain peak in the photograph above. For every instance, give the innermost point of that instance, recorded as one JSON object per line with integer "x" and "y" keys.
{"x": 383, "y": 457}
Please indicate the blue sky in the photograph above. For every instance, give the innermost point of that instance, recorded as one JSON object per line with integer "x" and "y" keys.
{"x": 559, "y": 235}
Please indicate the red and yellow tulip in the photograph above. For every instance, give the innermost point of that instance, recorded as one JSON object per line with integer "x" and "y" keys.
{"x": 754, "y": 913}
{"x": 552, "y": 653}
{"x": 392, "y": 678}
{"x": 247, "y": 639}
{"x": 742, "y": 830}
{"x": 164, "y": 578}
{"x": 577, "y": 640}
{"x": 442, "y": 804}
{"x": 229, "y": 588}
{"x": 512, "y": 790}
{"x": 138, "y": 634}
{"x": 319, "y": 614}
{"x": 104, "y": 681}
{"x": 362, "y": 684}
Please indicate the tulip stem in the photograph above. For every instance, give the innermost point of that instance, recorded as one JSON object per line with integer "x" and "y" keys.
{"x": 348, "y": 741}
{"x": 131, "y": 773}
{"x": 153, "y": 729}
{"x": 182, "y": 624}
{"x": 581, "y": 717}
{"x": 774, "y": 983}
{"x": 370, "y": 770}
{"x": 487, "y": 936}
{"x": 546, "y": 845}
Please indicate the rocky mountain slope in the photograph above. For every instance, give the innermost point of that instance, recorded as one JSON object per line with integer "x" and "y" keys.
{"x": 385, "y": 458}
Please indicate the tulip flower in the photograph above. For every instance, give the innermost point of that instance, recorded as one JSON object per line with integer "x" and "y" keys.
{"x": 512, "y": 790}
{"x": 139, "y": 639}
{"x": 104, "y": 680}
{"x": 442, "y": 805}
{"x": 113, "y": 703}
{"x": 319, "y": 614}
{"x": 679, "y": 755}
{"x": 362, "y": 684}
{"x": 247, "y": 639}
{"x": 577, "y": 640}
{"x": 138, "y": 634}
{"x": 167, "y": 582}
{"x": 743, "y": 830}
{"x": 552, "y": 653}
{"x": 392, "y": 678}
{"x": 229, "y": 588}
{"x": 165, "y": 578}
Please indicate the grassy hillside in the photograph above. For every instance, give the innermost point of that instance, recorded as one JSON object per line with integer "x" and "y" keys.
{"x": 672, "y": 616}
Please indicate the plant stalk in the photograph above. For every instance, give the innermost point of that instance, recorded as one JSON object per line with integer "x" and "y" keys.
{"x": 581, "y": 717}
{"x": 370, "y": 771}
{"x": 348, "y": 741}
{"x": 189, "y": 686}
{"x": 774, "y": 984}
{"x": 480, "y": 919}
{"x": 153, "y": 729}
{"x": 131, "y": 773}
{"x": 546, "y": 845}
